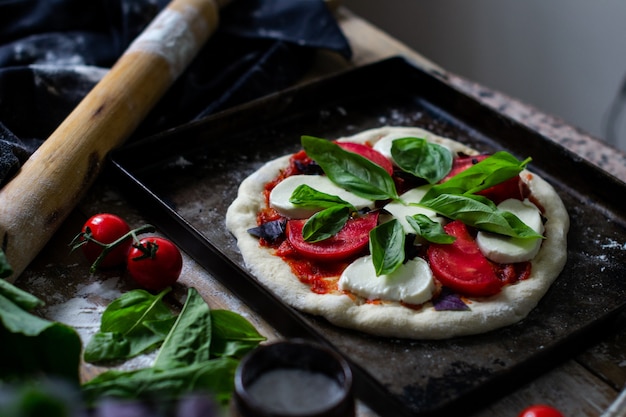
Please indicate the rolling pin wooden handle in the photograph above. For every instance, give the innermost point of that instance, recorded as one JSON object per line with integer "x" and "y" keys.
{"x": 53, "y": 180}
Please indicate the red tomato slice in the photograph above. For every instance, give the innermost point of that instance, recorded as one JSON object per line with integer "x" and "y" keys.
{"x": 461, "y": 266}
{"x": 461, "y": 163}
{"x": 351, "y": 240}
{"x": 369, "y": 153}
{"x": 511, "y": 188}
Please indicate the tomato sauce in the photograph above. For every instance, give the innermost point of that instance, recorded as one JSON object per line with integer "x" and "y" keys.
{"x": 511, "y": 273}
{"x": 321, "y": 277}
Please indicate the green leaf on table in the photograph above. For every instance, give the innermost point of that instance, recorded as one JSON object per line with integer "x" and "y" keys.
{"x": 421, "y": 158}
{"x": 134, "y": 323}
{"x": 107, "y": 346}
{"x": 20, "y": 297}
{"x": 200, "y": 354}
{"x": 387, "y": 246}
{"x": 232, "y": 334}
{"x": 5, "y": 267}
{"x": 429, "y": 229}
{"x": 350, "y": 171}
{"x": 32, "y": 346}
{"x": 215, "y": 376}
{"x": 189, "y": 341}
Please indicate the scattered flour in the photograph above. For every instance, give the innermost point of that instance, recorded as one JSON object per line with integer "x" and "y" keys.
{"x": 79, "y": 313}
{"x": 83, "y": 312}
{"x": 613, "y": 244}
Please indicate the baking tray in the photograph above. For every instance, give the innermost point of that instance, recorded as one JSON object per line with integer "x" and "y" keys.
{"x": 185, "y": 179}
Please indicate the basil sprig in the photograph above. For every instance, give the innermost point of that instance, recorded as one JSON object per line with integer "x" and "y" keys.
{"x": 200, "y": 353}
{"x": 32, "y": 346}
{"x": 481, "y": 213}
{"x": 327, "y": 222}
{"x": 421, "y": 158}
{"x": 491, "y": 171}
{"x": 349, "y": 170}
{"x": 429, "y": 229}
{"x": 386, "y": 242}
{"x": 456, "y": 197}
{"x": 134, "y": 323}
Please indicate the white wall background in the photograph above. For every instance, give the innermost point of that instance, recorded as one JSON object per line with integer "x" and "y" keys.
{"x": 565, "y": 57}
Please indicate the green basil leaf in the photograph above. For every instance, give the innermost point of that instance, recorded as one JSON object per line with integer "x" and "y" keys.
{"x": 387, "y": 246}
{"x": 429, "y": 229}
{"x": 161, "y": 328}
{"x": 5, "y": 267}
{"x": 232, "y": 334}
{"x": 18, "y": 296}
{"x": 32, "y": 346}
{"x": 127, "y": 313}
{"x": 491, "y": 171}
{"x": 105, "y": 346}
{"x": 137, "y": 321}
{"x": 200, "y": 353}
{"x": 421, "y": 158}
{"x": 481, "y": 213}
{"x": 189, "y": 340}
{"x": 215, "y": 376}
{"x": 325, "y": 224}
{"x": 306, "y": 196}
{"x": 350, "y": 171}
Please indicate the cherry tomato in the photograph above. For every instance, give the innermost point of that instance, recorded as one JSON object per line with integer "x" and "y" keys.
{"x": 352, "y": 239}
{"x": 461, "y": 266}
{"x": 105, "y": 228}
{"x": 154, "y": 263}
{"x": 369, "y": 153}
{"x": 540, "y": 410}
{"x": 511, "y": 188}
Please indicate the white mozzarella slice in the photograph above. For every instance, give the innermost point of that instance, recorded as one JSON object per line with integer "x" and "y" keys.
{"x": 505, "y": 249}
{"x": 383, "y": 145}
{"x": 280, "y": 195}
{"x": 400, "y": 211}
{"x": 411, "y": 283}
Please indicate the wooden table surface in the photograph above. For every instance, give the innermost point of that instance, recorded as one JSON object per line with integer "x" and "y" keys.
{"x": 583, "y": 385}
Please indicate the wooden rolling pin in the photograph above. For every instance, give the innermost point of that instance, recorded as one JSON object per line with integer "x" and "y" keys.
{"x": 53, "y": 180}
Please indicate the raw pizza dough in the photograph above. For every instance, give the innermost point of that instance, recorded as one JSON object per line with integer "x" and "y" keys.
{"x": 391, "y": 319}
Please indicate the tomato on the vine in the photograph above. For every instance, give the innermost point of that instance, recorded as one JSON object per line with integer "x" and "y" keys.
{"x": 154, "y": 263}
{"x": 540, "y": 410}
{"x": 105, "y": 228}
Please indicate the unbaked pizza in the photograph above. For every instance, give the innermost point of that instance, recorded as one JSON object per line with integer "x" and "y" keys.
{"x": 398, "y": 232}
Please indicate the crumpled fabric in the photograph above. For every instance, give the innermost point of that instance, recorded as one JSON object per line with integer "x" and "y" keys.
{"x": 52, "y": 53}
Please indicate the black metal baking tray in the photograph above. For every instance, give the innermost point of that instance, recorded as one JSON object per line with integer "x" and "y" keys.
{"x": 185, "y": 179}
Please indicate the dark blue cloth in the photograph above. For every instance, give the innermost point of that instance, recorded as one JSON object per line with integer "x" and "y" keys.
{"x": 52, "y": 52}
